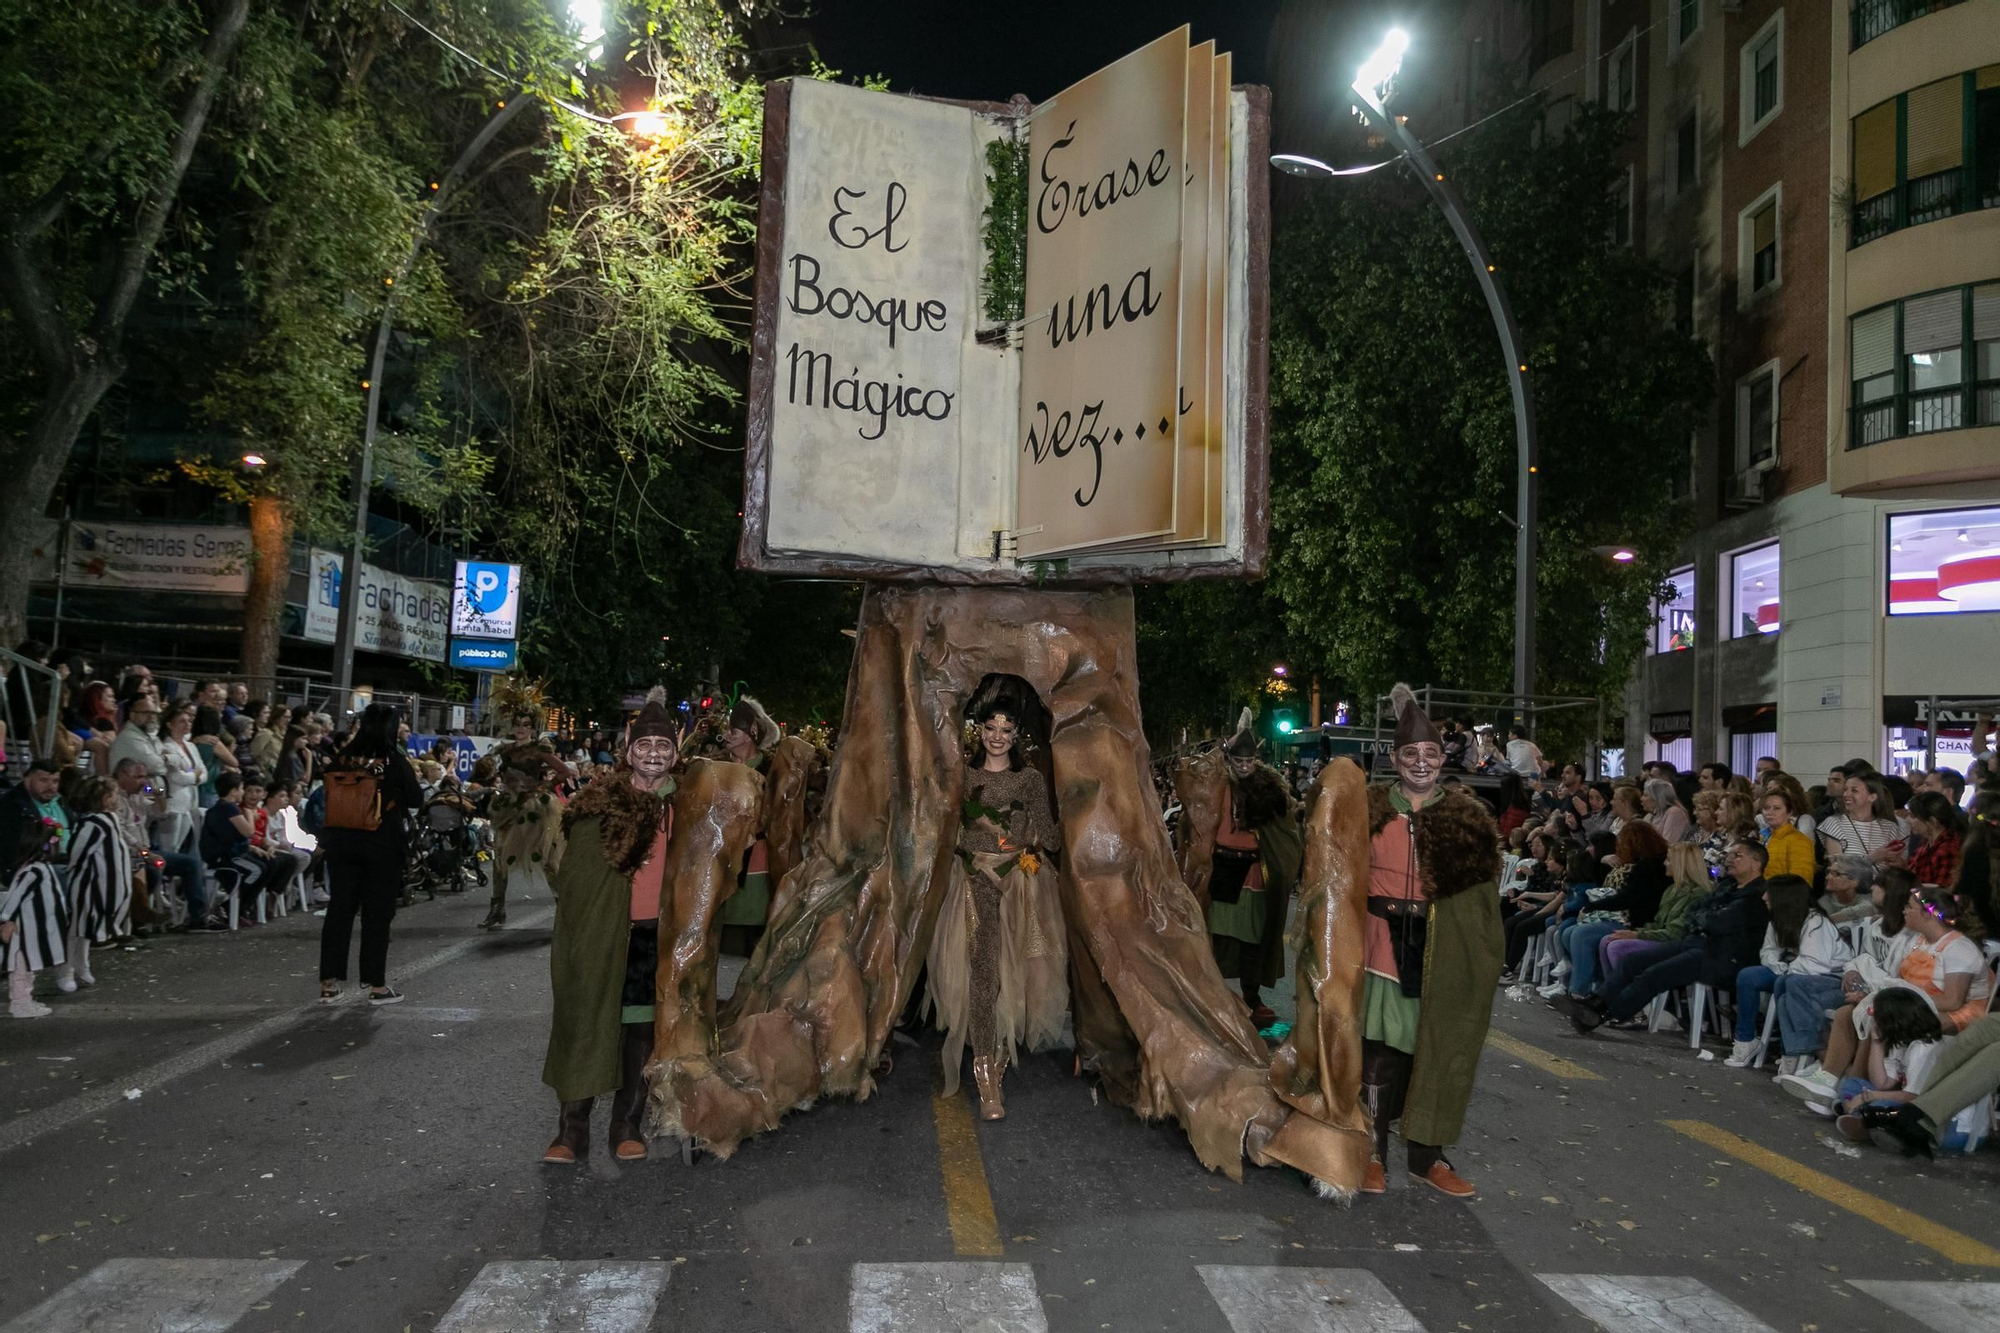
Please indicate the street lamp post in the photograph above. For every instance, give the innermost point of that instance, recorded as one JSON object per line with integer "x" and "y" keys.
{"x": 1367, "y": 88}
{"x": 348, "y": 621}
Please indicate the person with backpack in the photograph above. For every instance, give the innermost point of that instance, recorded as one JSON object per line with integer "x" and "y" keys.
{"x": 370, "y": 790}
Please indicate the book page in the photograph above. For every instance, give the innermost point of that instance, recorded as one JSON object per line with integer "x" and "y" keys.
{"x": 1099, "y": 389}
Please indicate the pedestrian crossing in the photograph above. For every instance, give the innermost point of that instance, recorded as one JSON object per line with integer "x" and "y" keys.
{"x": 623, "y": 1296}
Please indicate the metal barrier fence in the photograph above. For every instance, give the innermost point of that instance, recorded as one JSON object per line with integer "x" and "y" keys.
{"x": 31, "y": 705}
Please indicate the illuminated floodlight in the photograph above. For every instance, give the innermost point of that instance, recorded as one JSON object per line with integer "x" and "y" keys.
{"x": 253, "y": 460}
{"x": 588, "y": 16}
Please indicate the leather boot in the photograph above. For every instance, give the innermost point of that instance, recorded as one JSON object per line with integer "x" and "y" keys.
{"x": 628, "y": 1104}
{"x": 986, "y": 1072}
{"x": 572, "y": 1141}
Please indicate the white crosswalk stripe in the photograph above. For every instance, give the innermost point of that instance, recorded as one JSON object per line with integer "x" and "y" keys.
{"x": 158, "y": 1296}
{"x": 1306, "y": 1300}
{"x": 547, "y": 1295}
{"x": 944, "y": 1298}
{"x": 1652, "y": 1304}
{"x": 1948, "y": 1307}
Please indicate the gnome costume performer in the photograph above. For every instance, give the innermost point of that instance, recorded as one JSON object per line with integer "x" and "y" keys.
{"x": 604, "y": 955}
{"x": 999, "y": 961}
{"x": 1254, "y": 869}
{"x": 524, "y": 809}
{"x": 750, "y": 739}
{"x": 1433, "y": 953}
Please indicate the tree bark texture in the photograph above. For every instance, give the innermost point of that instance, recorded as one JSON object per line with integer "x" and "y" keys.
{"x": 80, "y": 362}
{"x": 851, "y": 925}
{"x": 270, "y": 570}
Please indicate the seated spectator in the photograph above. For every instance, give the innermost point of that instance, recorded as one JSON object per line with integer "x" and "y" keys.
{"x": 1688, "y": 883}
{"x": 1941, "y": 825}
{"x": 1945, "y": 962}
{"x": 1738, "y": 817}
{"x": 1513, "y": 803}
{"x": 215, "y": 747}
{"x": 265, "y": 746}
{"x": 92, "y": 718}
{"x": 1790, "y": 851}
{"x": 1625, "y": 808}
{"x": 273, "y": 833}
{"x": 1801, "y": 963}
{"x": 296, "y": 761}
{"x": 1707, "y": 832}
{"x": 226, "y": 833}
{"x": 1628, "y": 900}
{"x": 1910, "y": 1040}
{"x": 1600, "y": 817}
{"x": 1663, "y": 810}
{"x": 1725, "y": 930}
{"x": 1953, "y": 1103}
{"x": 1866, "y": 825}
{"x": 1948, "y": 783}
{"x": 1849, "y": 899}
{"x": 1537, "y": 902}
{"x": 37, "y": 798}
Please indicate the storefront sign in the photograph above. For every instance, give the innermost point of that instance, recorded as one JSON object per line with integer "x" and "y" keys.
{"x": 486, "y": 601}
{"x": 399, "y": 616}
{"x": 483, "y": 654}
{"x": 1670, "y": 724}
{"x": 182, "y": 557}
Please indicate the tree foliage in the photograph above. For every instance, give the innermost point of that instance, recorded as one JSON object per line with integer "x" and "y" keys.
{"x": 1394, "y": 457}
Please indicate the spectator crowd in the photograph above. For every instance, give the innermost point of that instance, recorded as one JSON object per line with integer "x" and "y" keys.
{"x": 1834, "y": 933}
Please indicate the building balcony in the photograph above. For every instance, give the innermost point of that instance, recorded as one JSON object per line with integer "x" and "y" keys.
{"x": 1869, "y": 19}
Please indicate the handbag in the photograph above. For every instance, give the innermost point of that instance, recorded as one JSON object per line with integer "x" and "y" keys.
{"x": 1228, "y": 873}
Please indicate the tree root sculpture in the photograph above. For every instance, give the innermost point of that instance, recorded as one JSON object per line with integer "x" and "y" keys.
{"x": 851, "y": 925}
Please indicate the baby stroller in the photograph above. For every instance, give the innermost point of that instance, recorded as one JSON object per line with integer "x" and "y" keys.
{"x": 444, "y": 848}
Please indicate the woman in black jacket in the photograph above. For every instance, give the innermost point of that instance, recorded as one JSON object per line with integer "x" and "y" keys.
{"x": 365, "y": 866}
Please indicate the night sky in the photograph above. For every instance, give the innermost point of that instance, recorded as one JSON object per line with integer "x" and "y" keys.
{"x": 950, "y": 48}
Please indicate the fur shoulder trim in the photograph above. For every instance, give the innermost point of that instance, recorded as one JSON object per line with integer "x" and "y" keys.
{"x": 1380, "y": 812}
{"x": 630, "y": 819}
{"x": 1458, "y": 844}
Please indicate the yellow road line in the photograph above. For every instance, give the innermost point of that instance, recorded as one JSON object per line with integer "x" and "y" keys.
{"x": 1953, "y": 1245}
{"x": 968, "y": 1205}
{"x": 1548, "y": 1061}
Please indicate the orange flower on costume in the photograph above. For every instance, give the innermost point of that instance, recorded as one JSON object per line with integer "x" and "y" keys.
{"x": 1030, "y": 863}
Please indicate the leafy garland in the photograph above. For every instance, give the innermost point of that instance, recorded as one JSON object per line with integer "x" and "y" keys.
{"x": 1005, "y": 231}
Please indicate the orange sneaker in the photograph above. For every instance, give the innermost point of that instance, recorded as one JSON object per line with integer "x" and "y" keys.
{"x": 1374, "y": 1181}
{"x": 1446, "y": 1181}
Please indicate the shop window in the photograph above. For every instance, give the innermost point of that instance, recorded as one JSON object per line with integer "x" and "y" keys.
{"x": 1752, "y": 578}
{"x": 1673, "y": 613}
{"x": 1746, "y": 748}
{"x": 1761, "y": 79}
{"x": 1944, "y": 561}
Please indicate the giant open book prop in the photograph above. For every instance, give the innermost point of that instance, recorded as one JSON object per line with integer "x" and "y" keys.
{"x": 991, "y": 338}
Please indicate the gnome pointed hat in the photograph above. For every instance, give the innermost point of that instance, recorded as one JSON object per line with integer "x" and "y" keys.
{"x": 1413, "y": 725}
{"x": 748, "y": 716}
{"x": 654, "y": 718}
{"x": 1244, "y": 742}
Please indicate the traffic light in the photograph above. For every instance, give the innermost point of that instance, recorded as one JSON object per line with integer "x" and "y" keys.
{"x": 1285, "y": 721}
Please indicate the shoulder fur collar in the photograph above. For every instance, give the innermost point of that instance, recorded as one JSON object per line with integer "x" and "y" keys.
{"x": 630, "y": 819}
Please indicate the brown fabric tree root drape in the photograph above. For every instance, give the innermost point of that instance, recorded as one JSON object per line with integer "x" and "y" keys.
{"x": 851, "y": 924}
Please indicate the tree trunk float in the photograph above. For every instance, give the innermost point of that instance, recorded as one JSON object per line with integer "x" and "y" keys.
{"x": 852, "y": 924}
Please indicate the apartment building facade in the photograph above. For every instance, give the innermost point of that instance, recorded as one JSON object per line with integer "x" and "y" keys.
{"x": 1824, "y": 181}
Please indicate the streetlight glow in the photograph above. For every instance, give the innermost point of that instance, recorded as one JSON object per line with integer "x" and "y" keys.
{"x": 253, "y": 460}
{"x": 1382, "y": 66}
{"x": 1624, "y": 556}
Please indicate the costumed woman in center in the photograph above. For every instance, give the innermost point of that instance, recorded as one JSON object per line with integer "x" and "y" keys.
{"x": 524, "y": 809}
{"x": 604, "y": 956}
{"x": 999, "y": 959}
{"x": 749, "y": 740}
{"x": 1259, "y": 849}
{"x": 1433, "y": 954}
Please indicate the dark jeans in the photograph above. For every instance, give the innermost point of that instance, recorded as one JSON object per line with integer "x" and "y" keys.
{"x": 1522, "y": 927}
{"x": 1641, "y": 976}
{"x": 367, "y": 877}
{"x": 194, "y": 878}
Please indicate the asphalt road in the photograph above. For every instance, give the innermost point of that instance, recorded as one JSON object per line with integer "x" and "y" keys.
{"x": 195, "y": 1144}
